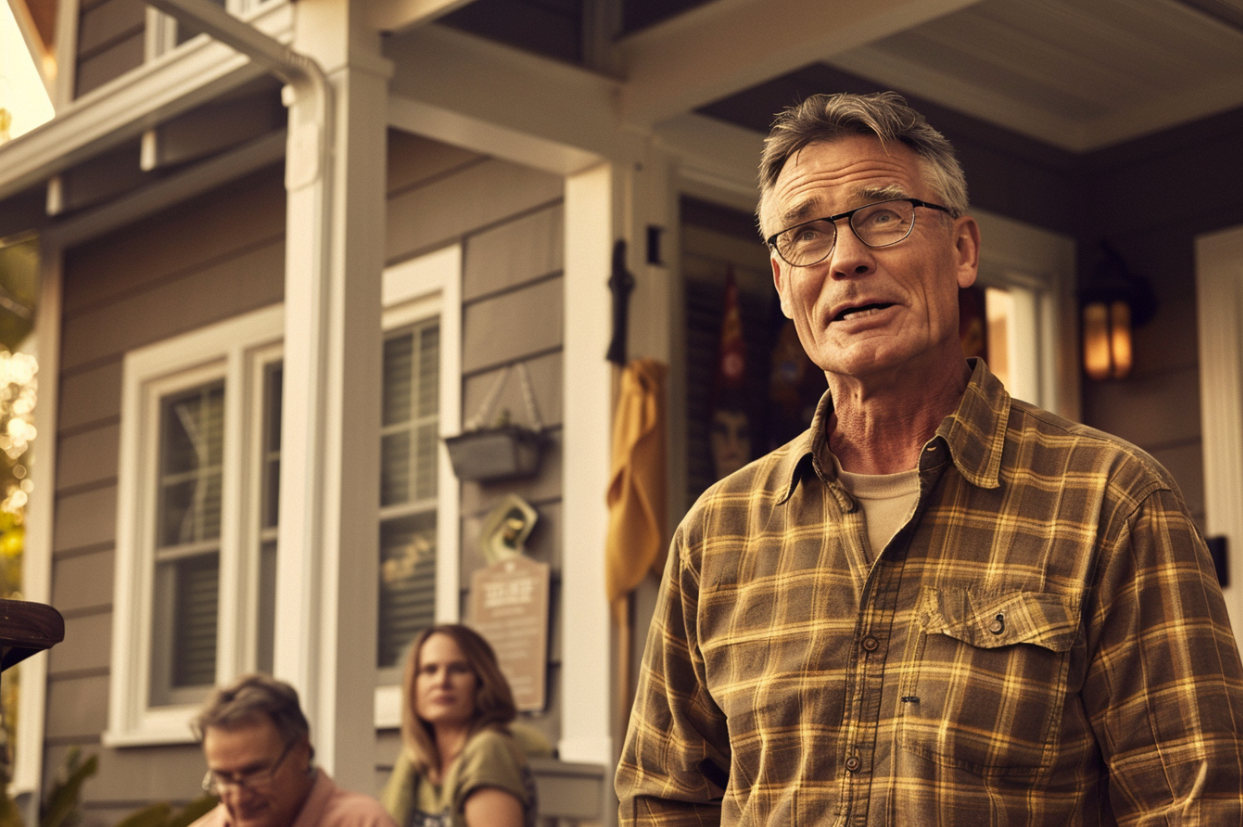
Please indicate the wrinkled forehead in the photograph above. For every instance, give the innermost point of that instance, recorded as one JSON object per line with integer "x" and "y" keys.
{"x": 831, "y": 176}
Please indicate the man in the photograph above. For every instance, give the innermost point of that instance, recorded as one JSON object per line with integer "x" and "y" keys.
{"x": 938, "y": 606}
{"x": 258, "y": 748}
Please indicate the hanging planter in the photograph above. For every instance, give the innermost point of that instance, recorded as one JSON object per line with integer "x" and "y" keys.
{"x": 504, "y": 450}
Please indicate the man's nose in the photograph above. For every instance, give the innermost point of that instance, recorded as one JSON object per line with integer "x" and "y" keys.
{"x": 850, "y": 257}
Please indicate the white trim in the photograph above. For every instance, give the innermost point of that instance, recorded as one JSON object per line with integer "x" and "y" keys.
{"x": 226, "y": 349}
{"x": 197, "y": 72}
{"x": 415, "y": 289}
{"x": 1042, "y": 264}
{"x": 594, "y": 213}
{"x": 40, "y": 521}
{"x": 1219, "y": 300}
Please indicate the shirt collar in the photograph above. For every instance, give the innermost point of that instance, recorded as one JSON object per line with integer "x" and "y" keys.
{"x": 974, "y": 434}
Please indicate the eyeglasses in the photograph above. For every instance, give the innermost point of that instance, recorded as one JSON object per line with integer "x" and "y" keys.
{"x": 214, "y": 781}
{"x": 876, "y": 225}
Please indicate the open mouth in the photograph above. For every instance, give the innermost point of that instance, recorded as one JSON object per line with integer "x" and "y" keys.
{"x": 860, "y": 311}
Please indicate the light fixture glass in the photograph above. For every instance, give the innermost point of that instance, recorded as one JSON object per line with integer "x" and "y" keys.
{"x": 1096, "y": 340}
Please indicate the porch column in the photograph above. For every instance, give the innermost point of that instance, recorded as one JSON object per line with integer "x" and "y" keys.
{"x": 329, "y": 488}
{"x": 593, "y": 219}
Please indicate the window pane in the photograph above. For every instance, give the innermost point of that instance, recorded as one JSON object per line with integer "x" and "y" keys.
{"x": 191, "y": 456}
{"x": 394, "y": 466}
{"x": 267, "y": 608}
{"x": 407, "y": 583}
{"x": 429, "y": 371}
{"x": 272, "y": 444}
{"x": 185, "y": 618}
{"x": 410, "y": 429}
{"x": 398, "y": 378}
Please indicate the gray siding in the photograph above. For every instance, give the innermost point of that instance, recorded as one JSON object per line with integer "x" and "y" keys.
{"x": 510, "y": 222}
{"x": 221, "y": 255}
{"x": 203, "y": 261}
{"x": 110, "y": 41}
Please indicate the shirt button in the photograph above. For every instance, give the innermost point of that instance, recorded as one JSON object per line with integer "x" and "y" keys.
{"x": 853, "y": 764}
{"x": 870, "y": 644}
{"x": 998, "y": 625}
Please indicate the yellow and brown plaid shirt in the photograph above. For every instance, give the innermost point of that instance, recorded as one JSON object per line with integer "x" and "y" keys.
{"x": 1044, "y": 643}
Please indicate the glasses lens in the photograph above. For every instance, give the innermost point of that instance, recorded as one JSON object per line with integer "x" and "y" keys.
{"x": 879, "y": 225}
{"x": 807, "y": 243}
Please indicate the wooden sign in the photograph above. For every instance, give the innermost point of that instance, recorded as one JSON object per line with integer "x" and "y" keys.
{"x": 509, "y": 607}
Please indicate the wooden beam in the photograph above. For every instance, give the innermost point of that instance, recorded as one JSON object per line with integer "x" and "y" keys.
{"x": 491, "y": 98}
{"x": 398, "y": 15}
{"x": 729, "y": 45}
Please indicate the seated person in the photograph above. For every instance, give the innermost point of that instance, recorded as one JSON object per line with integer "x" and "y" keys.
{"x": 460, "y": 765}
{"x": 259, "y": 757}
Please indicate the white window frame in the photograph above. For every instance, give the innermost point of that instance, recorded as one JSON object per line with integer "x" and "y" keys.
{"x": 413, "y": 291}
{"x": 238, "y": 350}
{"x": 234, "y": 351}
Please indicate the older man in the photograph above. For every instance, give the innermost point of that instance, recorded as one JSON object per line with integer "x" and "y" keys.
{"x": 939, "y": 605}
{"x": 259, "y": 762}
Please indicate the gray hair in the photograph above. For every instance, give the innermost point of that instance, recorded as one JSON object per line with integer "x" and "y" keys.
{"x": 884, "y": 115}
{"x": 251, "y": 697}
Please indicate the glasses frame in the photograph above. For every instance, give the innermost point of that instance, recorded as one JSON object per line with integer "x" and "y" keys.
{"x": 253, "y": 780}
{"x": 771, "y": 241}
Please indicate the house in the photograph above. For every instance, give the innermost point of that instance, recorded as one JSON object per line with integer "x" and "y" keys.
{"x": 286, "y": 248}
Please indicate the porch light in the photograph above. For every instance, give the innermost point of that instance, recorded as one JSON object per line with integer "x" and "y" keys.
{"x": 1114, "y": 301}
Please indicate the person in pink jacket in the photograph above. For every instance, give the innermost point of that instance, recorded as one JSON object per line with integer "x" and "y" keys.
{"x": 260, "y": 764}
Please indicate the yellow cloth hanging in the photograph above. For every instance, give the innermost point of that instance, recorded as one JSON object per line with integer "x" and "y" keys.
{"x": 637, "y": 487}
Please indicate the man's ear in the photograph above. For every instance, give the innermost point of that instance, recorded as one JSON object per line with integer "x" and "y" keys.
{"x": 781, "y": 282}
{"x": 967, "y": 250}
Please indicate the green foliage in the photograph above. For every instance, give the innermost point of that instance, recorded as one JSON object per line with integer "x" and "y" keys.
{"x": 162, "y": 814}
{"x": 60, "y": 807}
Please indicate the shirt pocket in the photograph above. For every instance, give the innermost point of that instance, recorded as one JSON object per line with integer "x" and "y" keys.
{"x": 987, "y": 684}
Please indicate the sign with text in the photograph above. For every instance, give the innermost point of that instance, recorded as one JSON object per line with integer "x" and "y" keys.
{"x": 509, "y": 607}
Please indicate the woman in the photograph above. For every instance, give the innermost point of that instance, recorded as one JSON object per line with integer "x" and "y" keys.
{"x": 459, "y": 765}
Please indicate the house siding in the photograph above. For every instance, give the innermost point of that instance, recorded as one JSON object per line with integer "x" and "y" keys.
{"x": 222, "y": 255}
{"x": 111, "y": 37}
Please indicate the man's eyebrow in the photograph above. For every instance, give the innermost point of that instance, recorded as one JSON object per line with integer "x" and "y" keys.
{"x": 870, "y": 195}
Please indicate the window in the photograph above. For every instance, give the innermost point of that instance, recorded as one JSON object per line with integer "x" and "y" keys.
{"x": 418, "y": 491}
{"x": 198, "y": 521}
{"x": 196, "y": 564}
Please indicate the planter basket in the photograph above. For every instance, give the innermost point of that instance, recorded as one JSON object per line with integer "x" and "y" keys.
{"x": 503, "y": 451}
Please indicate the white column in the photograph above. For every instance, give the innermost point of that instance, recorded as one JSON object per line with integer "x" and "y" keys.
{"x": 329, "y": 495}
{"x": 593, "y": 210}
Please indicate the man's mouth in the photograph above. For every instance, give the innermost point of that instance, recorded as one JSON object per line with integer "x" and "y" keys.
{"x": 860, "y": 311}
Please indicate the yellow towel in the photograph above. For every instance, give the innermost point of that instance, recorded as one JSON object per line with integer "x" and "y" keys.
{"x": 637, "y": 488}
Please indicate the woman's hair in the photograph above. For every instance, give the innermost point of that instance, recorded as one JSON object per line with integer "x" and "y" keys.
{"x": 494, "y": 702}
{"x": 884, "y": 115}
{"x": 251, "y": 698}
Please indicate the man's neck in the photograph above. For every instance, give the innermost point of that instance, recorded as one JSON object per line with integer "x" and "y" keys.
{"x": 881, "y": 427}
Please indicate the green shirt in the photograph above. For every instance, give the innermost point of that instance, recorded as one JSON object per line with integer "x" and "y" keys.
{"x": 1042, "y": 643}
{"x": 491, "y": 758}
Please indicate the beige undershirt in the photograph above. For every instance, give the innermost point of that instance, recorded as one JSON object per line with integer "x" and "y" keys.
{"x": 888, "y": 500}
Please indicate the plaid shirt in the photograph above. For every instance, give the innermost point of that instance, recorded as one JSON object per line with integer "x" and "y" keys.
{"x": 1043, "y": 643}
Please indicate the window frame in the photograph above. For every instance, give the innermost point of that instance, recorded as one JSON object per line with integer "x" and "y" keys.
{"x": 414, "y": 291}
{"x": 234, "y": 351}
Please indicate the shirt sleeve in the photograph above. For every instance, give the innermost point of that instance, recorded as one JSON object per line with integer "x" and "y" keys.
{"x": 1164, "y": 684}
{"x": 491, "y": 759}
{"x": 675, "y": 762}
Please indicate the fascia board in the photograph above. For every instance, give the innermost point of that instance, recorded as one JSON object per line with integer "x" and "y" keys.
{"x": 729, "y": 45}
{"x": 465, "y": 88}
{"x": 191, "y": 75}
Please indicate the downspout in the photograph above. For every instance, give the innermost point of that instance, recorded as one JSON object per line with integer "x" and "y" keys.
{"x": 302, "y": 75}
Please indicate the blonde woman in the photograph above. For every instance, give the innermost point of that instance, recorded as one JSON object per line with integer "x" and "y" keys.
{"x": 459, "y": 765}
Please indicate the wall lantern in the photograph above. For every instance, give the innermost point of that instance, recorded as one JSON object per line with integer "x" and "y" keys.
{"x": 500, "y": 450}
{"x": 1114, "y": 301}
